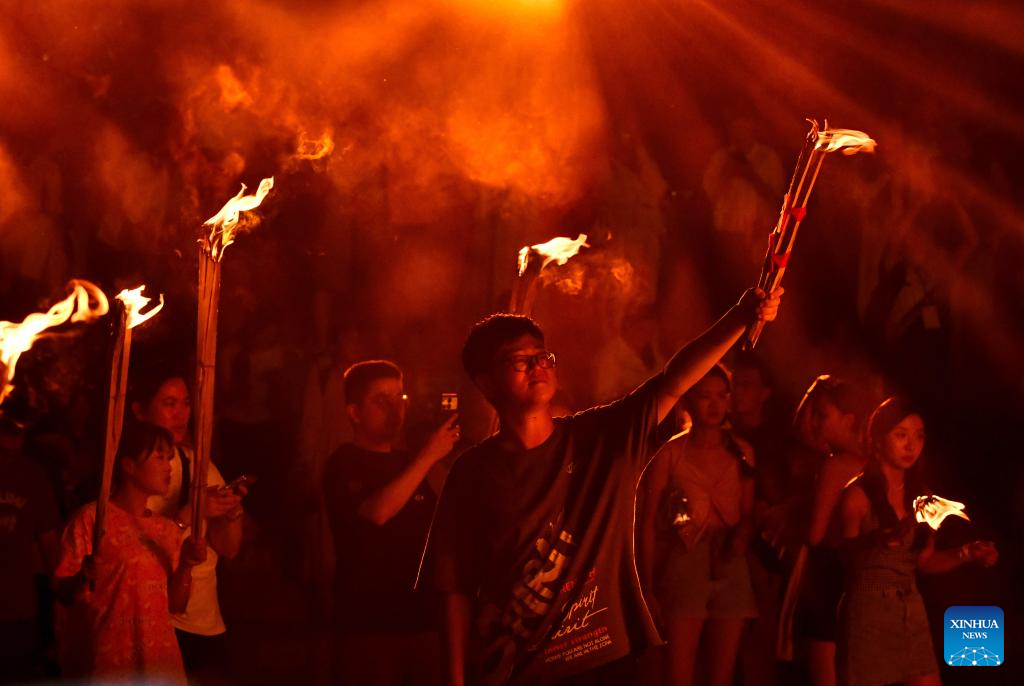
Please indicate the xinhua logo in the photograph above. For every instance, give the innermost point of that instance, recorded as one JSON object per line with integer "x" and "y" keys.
{"x": 973, "y": 636}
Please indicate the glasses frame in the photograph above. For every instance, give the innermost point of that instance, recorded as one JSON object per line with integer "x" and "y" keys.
{"x": 524, "y": 363}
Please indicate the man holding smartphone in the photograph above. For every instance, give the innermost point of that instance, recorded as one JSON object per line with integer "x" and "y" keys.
{"x": 380, "y": 506}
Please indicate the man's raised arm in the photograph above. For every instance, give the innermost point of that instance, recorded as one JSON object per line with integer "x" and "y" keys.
{"x": 695, "y": 358}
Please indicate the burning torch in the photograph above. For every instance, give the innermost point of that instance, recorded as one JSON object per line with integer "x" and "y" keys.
{"x": 818, "y": 144}
{"x": 85, "y": 304}
{"x": 224, "y": 226}
{"x": 132, "y": 302}
{"x": 531, "y": 262}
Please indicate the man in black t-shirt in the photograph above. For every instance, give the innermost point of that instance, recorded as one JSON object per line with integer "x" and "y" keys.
{"x": 532, "y": 542}
{"x": 380, "y": 506}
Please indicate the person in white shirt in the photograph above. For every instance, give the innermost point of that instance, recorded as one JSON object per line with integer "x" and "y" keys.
{"x": 163, "y": 399}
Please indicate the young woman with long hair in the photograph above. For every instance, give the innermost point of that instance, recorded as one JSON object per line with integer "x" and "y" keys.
{"x": 883, "y": 632}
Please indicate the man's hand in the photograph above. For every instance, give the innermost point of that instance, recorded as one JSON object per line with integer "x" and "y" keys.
{"x": 193, "y": 551}
{"x": 442, "y": 440}
{"x": 761, "y": 307}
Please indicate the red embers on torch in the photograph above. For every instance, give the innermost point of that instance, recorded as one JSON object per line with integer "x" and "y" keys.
{"x": 224, "y": 226}
{"x": 794, "y": 205}
{"x": 932, "y": 510}
{"x": 131, "y": 315}
{"x": 85, "y": 303}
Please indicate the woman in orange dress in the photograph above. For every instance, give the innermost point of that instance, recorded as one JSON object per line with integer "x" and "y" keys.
{"x": 116, "y": 621}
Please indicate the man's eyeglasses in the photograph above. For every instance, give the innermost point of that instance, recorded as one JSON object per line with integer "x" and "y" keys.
{"x": 388, "y": 400}
{"x": 524, "y": 363}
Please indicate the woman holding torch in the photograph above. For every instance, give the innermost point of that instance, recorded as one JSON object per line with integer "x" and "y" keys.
{"x": 162, "y": 398}
{"x": 883, "y": 632}
{"x": 117, "y": 623}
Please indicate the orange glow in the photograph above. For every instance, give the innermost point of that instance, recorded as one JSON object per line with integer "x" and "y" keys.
{"x": 134, "y": 302}
{"x": 558, "y": 250}
{"x": 85, "y": 303}
{"x": 309, "y": 149}
{"x": 932, "y": 510}
{"x": 224, "y": 224}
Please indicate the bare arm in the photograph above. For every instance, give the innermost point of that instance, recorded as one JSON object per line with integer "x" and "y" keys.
{"x": 932, "y": 561}
{"x": 853, "y": 508}
{"x": 698, "y": 356}
{"x": 384, "y": 503}
{"x": 827, "y": 492}
{"x": 455, "y": 631}
{"x": 225, "y": 534}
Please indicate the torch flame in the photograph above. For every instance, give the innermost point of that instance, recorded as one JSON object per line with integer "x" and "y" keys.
{"x": 134, "y": 301}
{"x": 558, "y": 250}
{"x": 932, "y": 510}
{"x": 85, "y": 303}
{"x": 315, "y": 149}
{"x": 849, "y": 141}
{"x": 225, "y": 223}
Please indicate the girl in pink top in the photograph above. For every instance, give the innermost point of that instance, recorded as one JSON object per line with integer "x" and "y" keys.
{"x": 116, "y": 623}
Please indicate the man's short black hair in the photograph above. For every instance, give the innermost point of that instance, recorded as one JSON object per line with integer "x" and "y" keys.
{"x": 489, "y": 334}
{"x": 359, "y": 376}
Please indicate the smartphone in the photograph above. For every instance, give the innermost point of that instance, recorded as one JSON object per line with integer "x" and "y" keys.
{"x": 449, "y": 402}
{"x": 246, "y": 480}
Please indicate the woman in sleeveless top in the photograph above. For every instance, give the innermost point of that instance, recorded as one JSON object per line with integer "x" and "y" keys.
{"x": 700, "y": 495}
{"x": 838, "y": 409}
{"x": 883, "y": 632}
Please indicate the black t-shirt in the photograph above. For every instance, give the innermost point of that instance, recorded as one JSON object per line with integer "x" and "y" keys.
{"x": 28, "y": 510}
{"x": 541, "y": 540}
{"x": 376, "y": 565}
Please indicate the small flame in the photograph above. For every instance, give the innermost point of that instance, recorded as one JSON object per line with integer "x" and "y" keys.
{"x": 558, "y": 250}
{"x": 134, "y": 301}
{"x": 225, "y": 223}
{"x": 315, "y": 149}
{"x": 849, "y": 141}
{"x": 85, "y": 303}
{"x": 932, "y": 510}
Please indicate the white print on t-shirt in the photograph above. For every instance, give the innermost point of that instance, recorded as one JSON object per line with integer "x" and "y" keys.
{"x": 532, "y": 599}
{"x": 579, "y": 615}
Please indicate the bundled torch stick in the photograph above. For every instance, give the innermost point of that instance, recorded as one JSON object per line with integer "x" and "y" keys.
{"x": 794, "y": 205}
{"x": 223, "y": 228}
{"x": 531, "y": 262}
{"x": 129, "y": 316}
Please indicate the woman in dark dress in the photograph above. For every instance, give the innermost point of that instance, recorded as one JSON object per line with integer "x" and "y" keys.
{"x": 883, "y": 633}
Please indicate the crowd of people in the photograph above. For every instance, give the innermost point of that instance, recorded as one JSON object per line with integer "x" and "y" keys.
{"x": 681, "y": 534}
{"x": 691, "y": 527}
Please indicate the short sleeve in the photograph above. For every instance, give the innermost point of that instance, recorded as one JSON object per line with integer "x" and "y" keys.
{"x": 76, "y": 541}
{"x": 452, "y": 559}
{"x": 630, "y": 425}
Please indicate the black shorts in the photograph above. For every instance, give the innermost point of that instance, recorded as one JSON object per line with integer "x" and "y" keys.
{"x": 817, "y": 608}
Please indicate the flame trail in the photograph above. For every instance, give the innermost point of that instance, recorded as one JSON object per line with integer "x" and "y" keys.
{"x": 224, "y": 224}
{"x": 933, "y": 510}
{"x": 85, "y": 304}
